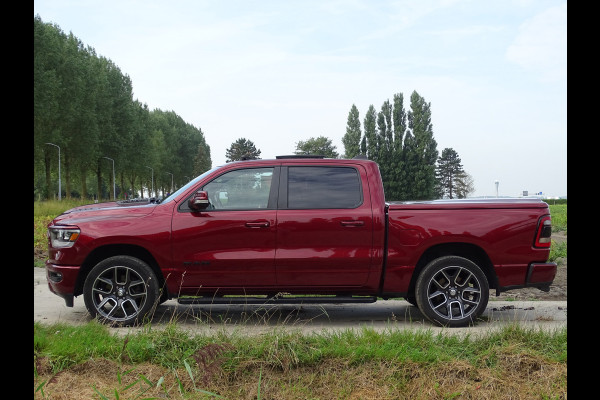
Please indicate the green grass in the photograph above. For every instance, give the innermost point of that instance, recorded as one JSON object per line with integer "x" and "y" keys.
{"x": 286, "y": 362}
{"x": 559, "y": 217}
{"x": 43, "y": 213}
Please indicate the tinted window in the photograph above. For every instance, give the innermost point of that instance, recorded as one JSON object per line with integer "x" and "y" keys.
{"x": 323, "y": 187}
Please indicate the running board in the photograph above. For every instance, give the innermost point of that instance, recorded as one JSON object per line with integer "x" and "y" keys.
{"x": 275, "y": 300}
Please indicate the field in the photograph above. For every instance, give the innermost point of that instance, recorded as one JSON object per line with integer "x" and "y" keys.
{"x": 89, "y": 362}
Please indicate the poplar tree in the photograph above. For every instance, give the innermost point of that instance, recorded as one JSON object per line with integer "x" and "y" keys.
{"x": 370, "y": 134}
{"x": 84, "y": 104}
{"x": 351, "y": 139}
{"x": 402, "y": 144}
{"x": 425, "y": 157}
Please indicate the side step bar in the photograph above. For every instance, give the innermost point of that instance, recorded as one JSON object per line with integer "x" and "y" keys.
{"x": 276, "y": 300}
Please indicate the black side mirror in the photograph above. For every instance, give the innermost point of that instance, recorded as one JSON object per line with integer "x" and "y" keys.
{"x": 199, "y": 200}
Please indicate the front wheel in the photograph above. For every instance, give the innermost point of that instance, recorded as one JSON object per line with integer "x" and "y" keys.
{"x": 452, "y": 291}
{"x": 120, "y": 290}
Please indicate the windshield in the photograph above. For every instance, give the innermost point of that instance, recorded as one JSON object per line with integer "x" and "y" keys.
{"x": 187, "y": 186}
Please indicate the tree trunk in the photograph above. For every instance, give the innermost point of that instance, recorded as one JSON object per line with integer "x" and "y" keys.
{"x": 99, "y": 176}
{"x": 68, "y": 175}
{"x": 48, "y": 177}
{"x": 83, "y": 183}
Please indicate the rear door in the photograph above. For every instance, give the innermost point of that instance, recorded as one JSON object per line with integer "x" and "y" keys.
{"x": 324, "y": 226}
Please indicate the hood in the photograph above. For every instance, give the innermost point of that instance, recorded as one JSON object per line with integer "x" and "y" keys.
{"x": 106, "y": 210}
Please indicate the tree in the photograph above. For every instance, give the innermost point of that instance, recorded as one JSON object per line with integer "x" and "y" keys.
{"x": 406, "y": 152}
{"x": 425, "y": 157}
{"x": 242, "y": 149}
{"x": 448, "y": 171}
{"x": 397, "y": 186}
{"x": 84, "y": 104}
{"x": 320, "y": 145}
{"x": 464, "y": 185}
{"x": 370, "y": 134}
{"x": 351, "y": 139}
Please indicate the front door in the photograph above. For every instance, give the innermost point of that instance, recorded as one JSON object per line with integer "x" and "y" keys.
{"x": 231, "y": 244}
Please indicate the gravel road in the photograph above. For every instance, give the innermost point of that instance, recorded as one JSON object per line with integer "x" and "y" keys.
{"x": 382, "y": 315}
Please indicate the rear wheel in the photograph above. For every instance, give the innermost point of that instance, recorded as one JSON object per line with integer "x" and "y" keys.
{"x": 121, "y": 290}
{"x": 452, "y": 291}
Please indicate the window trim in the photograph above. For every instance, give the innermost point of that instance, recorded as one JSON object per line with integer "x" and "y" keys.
{"x": 283, "y": 200}
{"x": 271, "y": 204}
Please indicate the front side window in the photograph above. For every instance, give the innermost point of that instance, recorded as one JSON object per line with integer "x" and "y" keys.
{"x": 242, "y": 189}
{"x": 323, "y": 187}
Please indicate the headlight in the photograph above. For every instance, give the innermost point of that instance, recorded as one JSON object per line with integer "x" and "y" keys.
{"x": 61, "y": 237}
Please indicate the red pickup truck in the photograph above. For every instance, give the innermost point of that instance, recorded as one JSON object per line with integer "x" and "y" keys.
{"x": 297, "y": 230}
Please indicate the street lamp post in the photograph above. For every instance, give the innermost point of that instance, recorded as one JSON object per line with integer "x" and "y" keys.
{"x": 497, "y": 183}
{"x": 114, "y": 184}
{"x": 59, "y": 188}
{"x": 152, "y": 180}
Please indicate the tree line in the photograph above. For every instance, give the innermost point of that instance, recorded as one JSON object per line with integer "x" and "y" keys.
{"x": 402, "y": 143}
{"x": 84, "y": 108}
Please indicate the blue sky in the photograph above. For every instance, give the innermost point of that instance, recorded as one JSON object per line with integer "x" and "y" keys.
{"x": 277, "y": 72}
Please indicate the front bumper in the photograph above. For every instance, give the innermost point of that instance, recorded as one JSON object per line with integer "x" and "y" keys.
{"x": 61, "y": 280}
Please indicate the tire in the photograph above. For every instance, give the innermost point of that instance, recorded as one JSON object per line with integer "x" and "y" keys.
{"x": 121, "y": 291}
{"x": 411, "y": 300}
{"x": 452, "y": 291}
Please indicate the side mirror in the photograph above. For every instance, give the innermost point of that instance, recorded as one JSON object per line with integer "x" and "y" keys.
{"x": 199, "y": 201}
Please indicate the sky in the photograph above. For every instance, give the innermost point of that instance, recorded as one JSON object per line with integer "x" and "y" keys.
{"x": 280, "y": 72}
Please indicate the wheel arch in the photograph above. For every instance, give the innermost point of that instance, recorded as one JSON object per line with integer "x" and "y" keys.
{"x": 104, "y": 252}
{"x": 469, "y": 251}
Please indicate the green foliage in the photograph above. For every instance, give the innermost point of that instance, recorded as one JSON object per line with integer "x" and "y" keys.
{"x": 317, "y": 146}
{"x": 299, "y": 356}
{"x": 242, "y": 149}
{"x": 401, "y": 143}
{"x": 351, "y": 139}
{"x": 449, "y": 173}
{"x": 559, "y": 217}
{"x": 283, "y": 348}
{"x": 557, "y": 250}
{"x": 84, "y": 104}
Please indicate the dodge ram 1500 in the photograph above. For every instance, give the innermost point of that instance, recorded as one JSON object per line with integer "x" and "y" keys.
{"x": 317, "y": 230}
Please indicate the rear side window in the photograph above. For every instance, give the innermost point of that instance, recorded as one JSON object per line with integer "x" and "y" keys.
{"x": 323, "y": 187}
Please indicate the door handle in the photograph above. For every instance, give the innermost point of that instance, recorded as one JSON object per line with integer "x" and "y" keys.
{"x": 258, "y": 224}
{"x": 352, "y": 223}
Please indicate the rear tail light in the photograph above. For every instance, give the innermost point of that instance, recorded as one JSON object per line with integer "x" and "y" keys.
{"x": 543, "y": 233}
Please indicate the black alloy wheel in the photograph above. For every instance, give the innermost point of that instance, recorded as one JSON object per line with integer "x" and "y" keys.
{"x": 452, "y": 291}
{"x": 121, "y": 290}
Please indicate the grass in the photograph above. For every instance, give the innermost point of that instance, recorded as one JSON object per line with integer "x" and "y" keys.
{"x": 513, "y": 362}
{"x": 43, "y": 213}
{"x": 559, "y": 217}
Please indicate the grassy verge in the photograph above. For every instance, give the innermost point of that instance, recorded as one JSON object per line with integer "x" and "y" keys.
{"x": 513, "y": 362}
